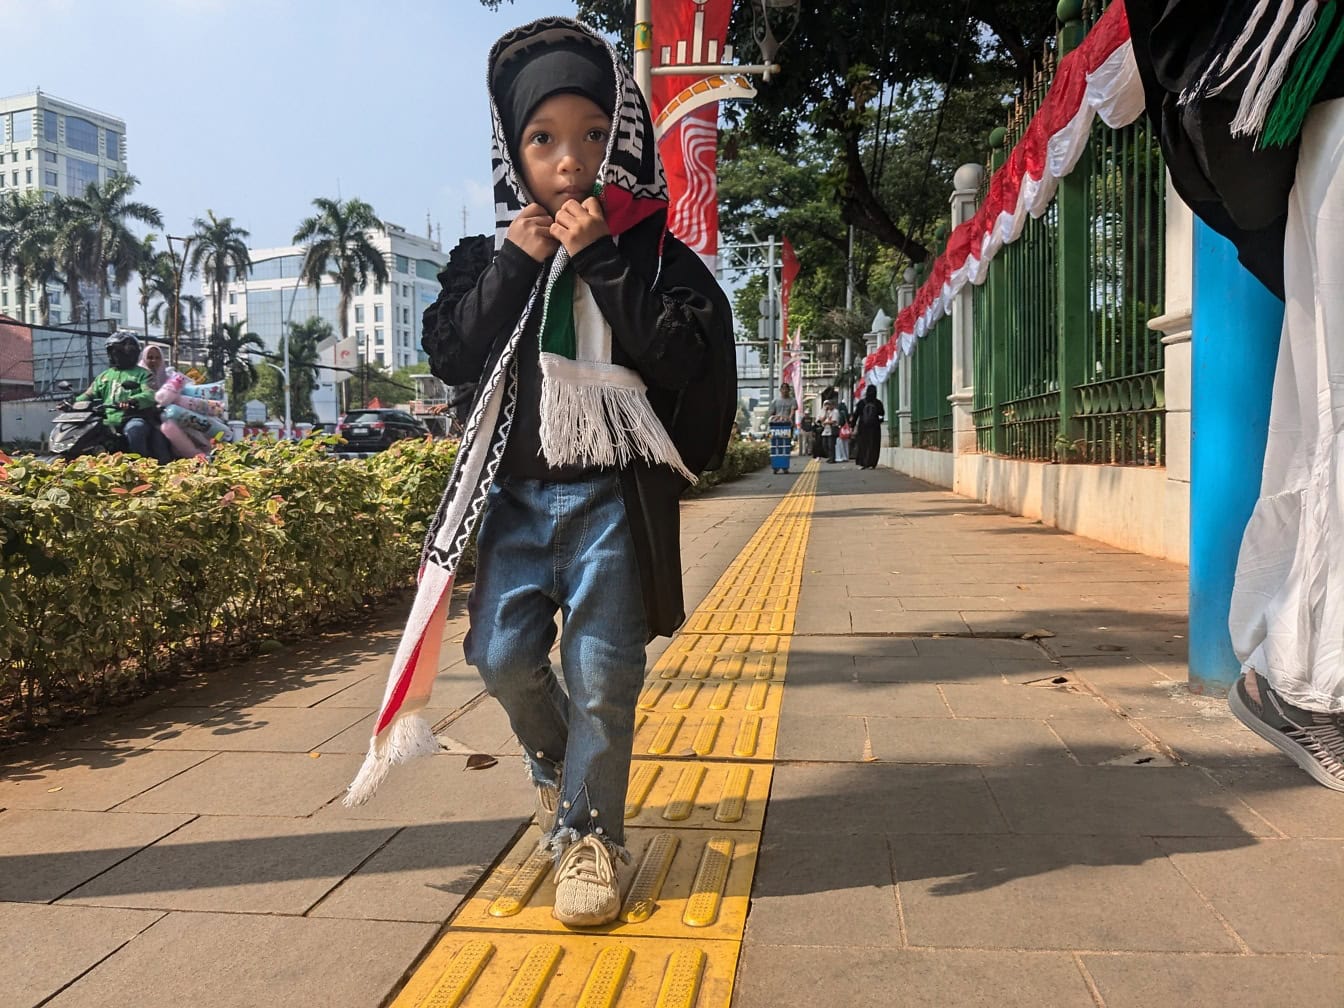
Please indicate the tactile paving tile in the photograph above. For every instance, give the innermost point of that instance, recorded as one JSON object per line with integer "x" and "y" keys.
{"x": 729, "y": 694}
{"x": 694, "y": 795}
{"x": 774, "y": 622}
{"x": 470, "y": 969}
{"x": 711, "y": 735}
{"x": 690, "y": 883}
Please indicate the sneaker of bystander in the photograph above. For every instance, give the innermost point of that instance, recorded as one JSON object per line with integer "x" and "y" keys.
{"x": 1312, "y": 740}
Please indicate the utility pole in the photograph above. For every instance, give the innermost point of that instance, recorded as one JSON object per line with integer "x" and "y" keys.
{"x": 178, "y": 266}
{"x": 644, "y": 49}
{"x": 771, "y": 321}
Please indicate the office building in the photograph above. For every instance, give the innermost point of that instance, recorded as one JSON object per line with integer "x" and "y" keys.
{"x": 56, "y": 147}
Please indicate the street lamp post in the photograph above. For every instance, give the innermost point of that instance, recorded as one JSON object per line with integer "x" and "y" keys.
{"x": 283, "y": 370}
{"x": 178, "y": 266}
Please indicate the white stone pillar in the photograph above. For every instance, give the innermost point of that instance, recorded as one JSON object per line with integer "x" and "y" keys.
{"x": 965, "y": 189}
{"x": 905, "y": 297}
{"x": 1175, "y": 325}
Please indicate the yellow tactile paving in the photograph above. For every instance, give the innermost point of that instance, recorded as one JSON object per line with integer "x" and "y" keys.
{"x": 705, "y": 732}
{"x": 697, "y": 883}
{"x": 485, "y": 970}
{"x": 691, "y": 794}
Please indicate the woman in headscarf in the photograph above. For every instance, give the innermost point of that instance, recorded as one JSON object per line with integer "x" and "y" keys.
{"x": 867, "y": 420}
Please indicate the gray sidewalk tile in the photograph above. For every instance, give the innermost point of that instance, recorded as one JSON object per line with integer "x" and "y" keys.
{"x": 454, "y": 686}
{"x": 772, "y": 976}
{"x": 1102, "y": 738}
{"x": 252, "y": 784}
{"x": 1146, "y": 981}
{"x": 969, "y": 647}
{"x": 1050, "y": 892}
{"x": 228, "y": 961}
{"x": 827, "y": 889}
{"x": 1214, "y": 738}
{"x": 1280, "y": 895}
{"x": 1121, "y": 801}
{"x": 44, "y": 854}
{"x": 880, "y": 798}
{"x": 823, "y": 737}
{"x": 863, "y": 699}
{"x": 1015, "y": 742}
{"x": 49, "y": 946}
{"x": 986, "y": 700}
{"x": 239, "y": 865}
{"x": 1135, "y": 687}
{"x": 1290, "y": 800}
{"x": 156, "y": 729}
{"x": 436, "y": 789}
{"x": 891, "y": 618}
{"x": 264, "y": 729}
{"x": 423, "y": 874}
{"x": 91, "y": 780}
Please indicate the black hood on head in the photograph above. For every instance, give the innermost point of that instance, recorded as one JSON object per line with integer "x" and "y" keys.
{"x": 567, "y": 66}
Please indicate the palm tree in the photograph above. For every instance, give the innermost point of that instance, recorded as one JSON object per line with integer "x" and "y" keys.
{"x": 230, "y": 354}
{"x": 25, "y": 243}
{"x": 220, "y": 254}
{"x": 338, "y": 249}
{"x": 98, "y": 227}
{"x": 148, "y": 265}
{"x": 304, "y": 360}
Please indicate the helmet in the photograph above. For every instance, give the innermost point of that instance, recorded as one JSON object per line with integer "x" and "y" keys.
{"x": 123, "y": 350}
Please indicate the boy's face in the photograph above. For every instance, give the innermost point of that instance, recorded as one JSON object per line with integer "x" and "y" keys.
{"x": 561, "y": 149}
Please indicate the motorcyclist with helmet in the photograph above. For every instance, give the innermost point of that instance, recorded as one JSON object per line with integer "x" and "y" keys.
{"x": 125, "y": 388}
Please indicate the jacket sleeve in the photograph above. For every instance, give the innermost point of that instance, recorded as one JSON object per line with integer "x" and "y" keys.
{"x": 98, "y": 390}
{"x": 663, "y": 330}
{"x": 476, "y": 308}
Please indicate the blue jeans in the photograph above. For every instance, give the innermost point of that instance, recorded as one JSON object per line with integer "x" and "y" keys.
{"x": 145, "y": 439}
{"x": 545, "y": 547}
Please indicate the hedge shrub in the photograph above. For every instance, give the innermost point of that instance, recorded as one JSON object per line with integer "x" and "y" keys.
{"x": 116, "y": 570}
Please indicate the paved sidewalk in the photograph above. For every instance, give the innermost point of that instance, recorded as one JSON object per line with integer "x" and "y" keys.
{"x": 959, "y": 815}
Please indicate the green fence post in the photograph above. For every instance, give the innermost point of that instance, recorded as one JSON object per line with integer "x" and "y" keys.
{"x": 997, "y": 283}
{"x": 1071, "y": 262}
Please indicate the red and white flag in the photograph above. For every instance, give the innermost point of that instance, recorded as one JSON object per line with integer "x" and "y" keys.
{"x": 690, "y": 32}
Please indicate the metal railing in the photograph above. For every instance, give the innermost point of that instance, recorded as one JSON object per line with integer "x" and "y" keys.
{"x": 930, "y": 380}
{"x": 1065, "y": 367}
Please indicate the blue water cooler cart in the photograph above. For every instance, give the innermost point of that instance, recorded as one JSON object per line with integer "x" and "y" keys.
{"x": 781, "y": 445}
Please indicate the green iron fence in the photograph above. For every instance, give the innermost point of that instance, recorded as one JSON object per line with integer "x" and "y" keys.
{"x": 930, "y": 382}
{"x": 1065, "y": 367}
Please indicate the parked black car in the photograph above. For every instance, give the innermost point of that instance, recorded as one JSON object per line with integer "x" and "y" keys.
{"x": 372, "y": 430}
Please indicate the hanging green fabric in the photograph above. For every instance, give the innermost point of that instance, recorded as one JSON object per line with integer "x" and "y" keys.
{"x": 1308, "y": 73}
{"x": 557, "y": 331}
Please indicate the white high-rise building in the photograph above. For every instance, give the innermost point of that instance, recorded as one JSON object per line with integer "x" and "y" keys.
{"x": 56, "y": 147}
{"x": 384, "y": 318}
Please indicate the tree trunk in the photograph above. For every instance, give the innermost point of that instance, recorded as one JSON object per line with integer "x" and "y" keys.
{"x": 861, "y": 207}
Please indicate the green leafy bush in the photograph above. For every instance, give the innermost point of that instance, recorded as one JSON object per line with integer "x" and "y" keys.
{"x": 742, "y": 457}
{"x": 115, "y": 569}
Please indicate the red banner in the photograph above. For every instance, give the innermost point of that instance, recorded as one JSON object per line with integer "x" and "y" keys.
{"x": 690, "y": 32}
{"x": 789, "y": 273}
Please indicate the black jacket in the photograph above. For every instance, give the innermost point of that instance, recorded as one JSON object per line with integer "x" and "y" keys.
{"x": 659, "y": 331}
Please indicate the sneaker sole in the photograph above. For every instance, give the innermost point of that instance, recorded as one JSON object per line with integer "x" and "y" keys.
{"x": 1290, "y": 748}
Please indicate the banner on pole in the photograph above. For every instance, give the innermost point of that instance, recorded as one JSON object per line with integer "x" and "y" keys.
{"x": 690, "y": 32}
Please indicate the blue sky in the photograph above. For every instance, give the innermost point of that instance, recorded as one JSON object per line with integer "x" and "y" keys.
{"x": 252, "y": 108}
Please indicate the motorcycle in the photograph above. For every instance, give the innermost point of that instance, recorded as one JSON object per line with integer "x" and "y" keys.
{"x": 79, "y": 430}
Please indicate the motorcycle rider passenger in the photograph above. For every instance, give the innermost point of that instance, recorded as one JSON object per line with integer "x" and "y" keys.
{"x": 125, "y": 388}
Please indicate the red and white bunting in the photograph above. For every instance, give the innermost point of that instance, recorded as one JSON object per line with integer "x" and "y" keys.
{"x": 1099, "y": 78}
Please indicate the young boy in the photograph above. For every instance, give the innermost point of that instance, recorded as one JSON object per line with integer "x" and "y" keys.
{"x": 582, "y": 332}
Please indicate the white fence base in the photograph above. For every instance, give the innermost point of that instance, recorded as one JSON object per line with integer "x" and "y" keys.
{"x": 1129, "y": 507}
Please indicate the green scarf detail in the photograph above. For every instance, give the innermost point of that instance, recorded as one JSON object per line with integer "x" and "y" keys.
{"x": 557, "y": 327}
{"x": 1310, "y": 66}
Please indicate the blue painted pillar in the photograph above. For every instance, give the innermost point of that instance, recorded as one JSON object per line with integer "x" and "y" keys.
{"x": 1234, "y": 346}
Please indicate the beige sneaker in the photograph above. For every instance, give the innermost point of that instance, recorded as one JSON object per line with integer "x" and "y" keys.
{"x": 590, "y": 884}
{"x": 548, "y": 800}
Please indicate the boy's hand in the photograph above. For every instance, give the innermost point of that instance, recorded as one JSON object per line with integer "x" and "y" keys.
{"x": 531, "y": 232}
{"x": 577, "y": 225}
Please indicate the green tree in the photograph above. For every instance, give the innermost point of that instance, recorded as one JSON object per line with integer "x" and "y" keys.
{"x": 304, "y": 362}
{"x": 231, "y": 355}
{"x": 28, "y": 232}
{"x": 370, "y": 382}
{"x": 98, "y": 223}
{"x": 338, "y": 249}
{"x": 219, "y": 254}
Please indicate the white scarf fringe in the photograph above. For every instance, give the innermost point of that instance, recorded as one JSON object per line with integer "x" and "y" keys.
{"x": 1271, "y": 64}
{"x": 597, "y": 414}
{"x": 407, "y": 737}
{"x": 1264, "y": 86}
